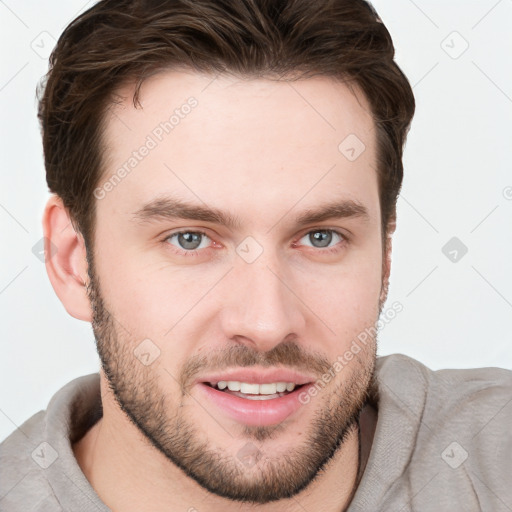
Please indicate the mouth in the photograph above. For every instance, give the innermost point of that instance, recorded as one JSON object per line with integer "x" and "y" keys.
{"x": 254, "y": 391}
{"x": 255, "y": 398}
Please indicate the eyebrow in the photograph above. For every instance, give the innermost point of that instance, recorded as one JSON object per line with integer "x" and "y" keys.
{"x": 171, "y": 209}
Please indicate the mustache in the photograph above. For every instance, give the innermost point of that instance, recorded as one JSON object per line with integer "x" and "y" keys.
{"x": 288, "y": 354}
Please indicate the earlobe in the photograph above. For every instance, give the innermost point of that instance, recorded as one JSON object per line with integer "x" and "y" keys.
{"x": 66, "y": 261}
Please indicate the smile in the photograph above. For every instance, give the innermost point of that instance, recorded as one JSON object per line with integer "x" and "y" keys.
{"x": 252, "y": 391}
{"x": 254, "y": 404}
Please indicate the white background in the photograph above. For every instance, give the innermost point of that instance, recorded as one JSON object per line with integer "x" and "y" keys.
{"x": 458, "y": 183}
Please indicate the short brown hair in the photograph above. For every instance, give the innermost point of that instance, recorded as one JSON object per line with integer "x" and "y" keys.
{"x": 118, "y": 41}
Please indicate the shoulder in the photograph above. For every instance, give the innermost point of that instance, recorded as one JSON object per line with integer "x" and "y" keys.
{"x": 449, "y": 430}
{"x": 23, "y": 457}
{"x": 37, "y": 460}
{"x": 480, "y": 395}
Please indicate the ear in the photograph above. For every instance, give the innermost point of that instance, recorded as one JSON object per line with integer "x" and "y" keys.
{"x": 386, "y": 260}
{"x": 66, "y": 261}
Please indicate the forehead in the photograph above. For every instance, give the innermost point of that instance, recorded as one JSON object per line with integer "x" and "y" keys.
{"x": 202, "y": 137}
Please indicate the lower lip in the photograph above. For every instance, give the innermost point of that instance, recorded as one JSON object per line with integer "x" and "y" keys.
{"x": 255, "y": 412}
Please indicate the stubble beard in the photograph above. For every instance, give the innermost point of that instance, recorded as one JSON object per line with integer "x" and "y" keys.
{"x": 163, "y": 420}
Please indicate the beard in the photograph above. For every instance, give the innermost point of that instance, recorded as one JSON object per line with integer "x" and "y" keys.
{"x": 252, "y": 475}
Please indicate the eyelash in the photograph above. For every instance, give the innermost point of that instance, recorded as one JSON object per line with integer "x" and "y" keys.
{"x": 196, "y": 252}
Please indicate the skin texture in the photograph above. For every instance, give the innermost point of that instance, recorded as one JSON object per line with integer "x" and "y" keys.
{"x": 264, "y": 151}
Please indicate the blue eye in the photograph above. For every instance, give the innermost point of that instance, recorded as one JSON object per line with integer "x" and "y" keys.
{"x": 188, "y": 241}
{"x": 322, "y": 238}
{"x": 192, "y": 243}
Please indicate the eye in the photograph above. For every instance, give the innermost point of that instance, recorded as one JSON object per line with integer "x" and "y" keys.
{"x": 322, "y": 238}
{"x": 188, "y": 241}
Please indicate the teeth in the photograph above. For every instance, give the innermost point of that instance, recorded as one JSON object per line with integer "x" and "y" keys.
{"x": 253, "y": 389}
{"x": 267, "y": 389}
{"x": 270, "y": 388}
{"x": 280, "y": 387}
{"x": 234, "y": 385}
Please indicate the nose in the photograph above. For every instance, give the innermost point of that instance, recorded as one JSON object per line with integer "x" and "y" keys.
{"x": 261, "y": 308}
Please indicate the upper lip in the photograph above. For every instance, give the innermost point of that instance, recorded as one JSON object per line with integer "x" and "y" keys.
{"x": 255, "y": 376}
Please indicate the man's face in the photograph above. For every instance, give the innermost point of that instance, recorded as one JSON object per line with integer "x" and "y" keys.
{"x": 268, "y": 298}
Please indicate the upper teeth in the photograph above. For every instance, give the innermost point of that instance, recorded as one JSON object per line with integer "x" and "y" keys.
{"x": 256, "y": 389}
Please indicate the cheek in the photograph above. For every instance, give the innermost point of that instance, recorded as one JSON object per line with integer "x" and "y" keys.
{"x": 131, "y": 293}
{"x": 346, "y": 298}
{"x": 146, "y": 294}
{"x": 348, "y": 303}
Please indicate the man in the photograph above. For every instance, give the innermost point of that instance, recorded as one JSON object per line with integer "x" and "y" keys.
{"x": 224, "y": 179}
